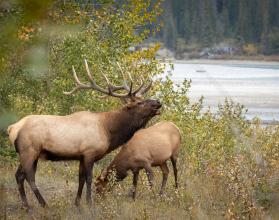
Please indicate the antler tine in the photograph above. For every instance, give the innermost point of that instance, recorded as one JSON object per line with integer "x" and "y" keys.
{"x": 128, "y": 88}
{"x": 88, "y": 73}
{"x": 123, "y": 76}
{"x": 145, "y": 90}
{"x": 140, "y": 90}
{"x": 108, "y": 82}
{"x": 140, "y": 87}
{"x": 111, "y": 87}
{"x": 130, "y": 77}
{"x": 75, "y": 76}
{"x": 106, "y": 78}
{"x": 70, "y": 92}
{"x": 79, "y": 85}
{"x": 131, "y": 85}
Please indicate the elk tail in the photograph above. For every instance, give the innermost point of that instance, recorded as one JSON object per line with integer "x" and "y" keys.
{"x": 12, "y": 133}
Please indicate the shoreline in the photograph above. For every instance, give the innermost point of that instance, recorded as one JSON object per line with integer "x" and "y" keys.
{"x": 218, "y": 85}
{"x": 224, "y": 61}
{"x": 267, "y": 122}
{"x": 206, "y": 61}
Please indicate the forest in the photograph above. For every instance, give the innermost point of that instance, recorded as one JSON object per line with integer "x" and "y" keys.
{"x": 227, "y": 166}
{"x": 203, "y": 23}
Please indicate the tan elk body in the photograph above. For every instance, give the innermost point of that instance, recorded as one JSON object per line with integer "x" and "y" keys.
{"x": 85, "y": 136}
{"x": 148, "y": 147}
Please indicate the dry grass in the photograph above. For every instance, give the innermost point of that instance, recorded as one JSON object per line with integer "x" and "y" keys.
{"x": 58, "y": 184}
{"x": 215, "y": 182}
{"x": 198, "y": 197}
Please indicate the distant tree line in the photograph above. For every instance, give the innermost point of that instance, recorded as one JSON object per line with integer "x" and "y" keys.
{"x": 206, "y": 22}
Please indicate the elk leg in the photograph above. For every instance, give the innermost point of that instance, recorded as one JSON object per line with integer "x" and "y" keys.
{"x": 81, "y": 182}
{"x": 165, "y": 171}
{"x": 88, "y": 174}
{"x": 135, "y": 183}
{"x": 173, "y": 161}
{"x": 30, "y": 177}
{"x": 20, "y": 176}
{"x": 150, "y": 175}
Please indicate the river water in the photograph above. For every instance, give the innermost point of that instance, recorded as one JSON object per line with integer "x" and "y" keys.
{"x": 253, "y": 84}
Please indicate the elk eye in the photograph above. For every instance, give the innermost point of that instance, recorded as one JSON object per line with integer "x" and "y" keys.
{"x": 140, "y": 103}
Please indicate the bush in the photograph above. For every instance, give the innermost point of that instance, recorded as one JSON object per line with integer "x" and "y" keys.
{"x": 250, "y": 49}
{"x": 237, "y": 159}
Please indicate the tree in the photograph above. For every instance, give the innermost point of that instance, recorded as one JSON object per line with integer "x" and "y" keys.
{"x": 103, "y": 34}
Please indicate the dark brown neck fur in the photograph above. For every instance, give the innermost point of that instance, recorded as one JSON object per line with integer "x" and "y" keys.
{"x": 121, "y": 126}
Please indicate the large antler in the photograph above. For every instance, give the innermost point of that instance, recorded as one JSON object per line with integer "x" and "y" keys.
{"x": 111, "y": 88}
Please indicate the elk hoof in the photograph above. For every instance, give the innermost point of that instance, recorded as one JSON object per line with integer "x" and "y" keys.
{"x": 89, "y": 202}
{"x": 27, "y": 208}
{"x": 77, "y": 202}
{"x": 45, "y": 205}
{"x": 131, "y": 193}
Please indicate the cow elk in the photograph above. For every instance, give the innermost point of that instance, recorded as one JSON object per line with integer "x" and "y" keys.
{"x": 84, "y": 136}
{"x": 148, "y": 147}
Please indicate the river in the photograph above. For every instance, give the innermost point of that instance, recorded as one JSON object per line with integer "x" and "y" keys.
{"x": 253, "y": 84}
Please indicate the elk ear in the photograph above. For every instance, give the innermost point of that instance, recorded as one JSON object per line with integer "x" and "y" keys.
{"x": 129, "y": 105}
{"x": 124, "y": 101}
{"x": 132, "y": 101}
{"x": 128, "y": 100}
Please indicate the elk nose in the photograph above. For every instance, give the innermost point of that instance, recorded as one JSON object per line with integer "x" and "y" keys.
{"x": 156, "y": 103}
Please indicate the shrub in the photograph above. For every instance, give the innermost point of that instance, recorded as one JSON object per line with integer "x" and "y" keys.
{"x": 250, "y": 49}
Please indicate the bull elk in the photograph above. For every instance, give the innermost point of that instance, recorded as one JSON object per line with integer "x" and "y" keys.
{"x": 148, "y": 147}
{"x": 85, "y": 136}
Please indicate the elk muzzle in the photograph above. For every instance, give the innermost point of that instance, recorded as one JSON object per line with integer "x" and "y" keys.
{"x": 156, "y": 105}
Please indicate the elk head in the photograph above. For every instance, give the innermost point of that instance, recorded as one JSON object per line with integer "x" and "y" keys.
{"x": 133, "y": 99}
{"x": 102, "y": 181}
{"x": 108, "y": 174}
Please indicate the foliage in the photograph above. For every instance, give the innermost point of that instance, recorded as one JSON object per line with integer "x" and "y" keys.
{"x": 102, "y": 36}
{"x": 212, "y": 21}
{"x": 228, "y": 167}
{"x": 233, "y": 155}
{"x": 250, "y": 49}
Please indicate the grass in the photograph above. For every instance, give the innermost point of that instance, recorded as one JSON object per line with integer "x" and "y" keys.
{"x": 58, "y": 183}
{"x": 198, "y": 197}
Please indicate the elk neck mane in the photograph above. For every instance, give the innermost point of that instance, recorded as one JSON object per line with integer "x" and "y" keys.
{"x": 121, "y": 126}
